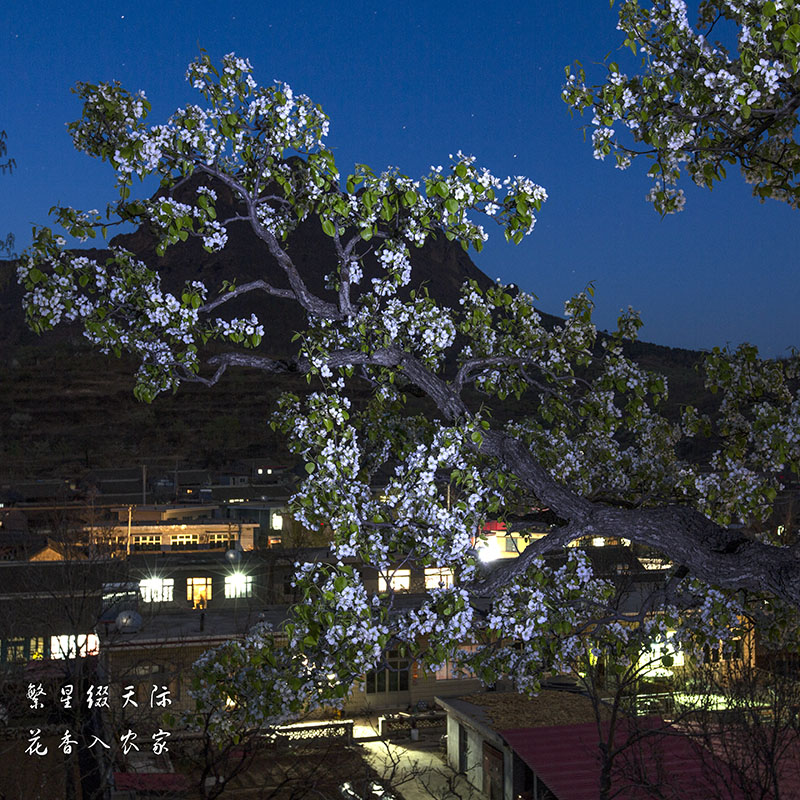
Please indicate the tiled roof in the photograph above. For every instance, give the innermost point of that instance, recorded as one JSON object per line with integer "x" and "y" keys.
{"x": 566, "y": 759}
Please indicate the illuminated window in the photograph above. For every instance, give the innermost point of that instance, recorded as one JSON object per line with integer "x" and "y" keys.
{"x": 277, "y": 521}
{"x": 225, "y": 539}
{"x": 651, "y": 661}
{"x": 156, "y": 590}
{"x": 438, "y": 576}
{"x": 238, "y": 585}
{"x": 146, "y": 542}
{"x": 399, "y": 580}
{"x": 198, "y": 591}
{"x": 70, "y": 646}
{"x": 453, "y": 669}
{"x": 184, "y": 540}
{"x": 392, "y": 678}
{"x": 37, "y": 647}
{"x": 15, "y": 650}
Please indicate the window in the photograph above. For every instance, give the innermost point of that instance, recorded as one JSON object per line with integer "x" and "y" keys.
{"x": 651, "y": 659}
{"x": 733, "y": 650}
{"x": 156, "y": 590}
{"x": 463, "y": 748}
{"x": 74, "y": 646}
{"x": 391, "y": 678}
{"x": 511, "y": 545}
{"x": 198, "y": 591}
{"x": 711, "y": 655}
{"x": 238, "y": 585}
{"x": 119, "y": 596}
{"x": 399, "y": 580}
{"x": 493, "y": 772}
{"x": 15, "y": 650}
{"x": 146, "y": 542}
{"x": 225, "y": 539}
{"x": 454, "y": 669}
{"x": 438, "y": 576}
{"x": 37, "y": 647}
{"x": 184, "y": 541}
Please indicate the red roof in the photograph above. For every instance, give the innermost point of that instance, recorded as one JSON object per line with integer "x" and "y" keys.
{"x": 566, "y": 759}
{"x": 151, "y": 781}
{"x": 494, "y": 525}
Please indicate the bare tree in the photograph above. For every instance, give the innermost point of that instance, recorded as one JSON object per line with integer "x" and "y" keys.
{"x": 748, "y": 718}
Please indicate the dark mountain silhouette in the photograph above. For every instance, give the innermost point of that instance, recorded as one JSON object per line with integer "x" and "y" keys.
{"x": 65, "y": 407}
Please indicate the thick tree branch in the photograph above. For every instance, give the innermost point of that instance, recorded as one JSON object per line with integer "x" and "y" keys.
{"x": 310, "y": 302}
{"x": 253, "y": 286}
{"x": 715, "y": 554}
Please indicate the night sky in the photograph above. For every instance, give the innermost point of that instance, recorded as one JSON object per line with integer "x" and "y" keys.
{"x": 405, "y": 84}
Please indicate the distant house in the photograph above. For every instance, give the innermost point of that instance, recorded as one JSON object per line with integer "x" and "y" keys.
{"x": 177, "y": 528}
{"x": 50, "y": 609}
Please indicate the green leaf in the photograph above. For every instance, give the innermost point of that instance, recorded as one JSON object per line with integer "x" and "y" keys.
{"x": 329, "y": 227}
{"x": 310, "y": 467}
{"x": 769, "y": 9}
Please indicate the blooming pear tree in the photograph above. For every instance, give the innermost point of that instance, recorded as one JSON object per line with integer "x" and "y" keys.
{"x": 699, "y": 105}
{"x": 594, "y": 447}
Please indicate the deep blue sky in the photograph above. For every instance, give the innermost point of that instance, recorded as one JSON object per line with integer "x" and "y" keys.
{"x": 406, "y": 83}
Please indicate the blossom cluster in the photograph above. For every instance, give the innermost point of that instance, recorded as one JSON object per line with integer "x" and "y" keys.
{"x": 696, "y": 106}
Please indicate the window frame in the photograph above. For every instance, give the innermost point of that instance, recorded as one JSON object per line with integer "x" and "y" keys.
{"x": 157, "y": 590}
{"x": 195, "y": 587}
{"x": 443, "y": 574}
{"x": 238, "y": 586}
{"x": 394, "y": 675}
{"x": 398, "y": 579}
